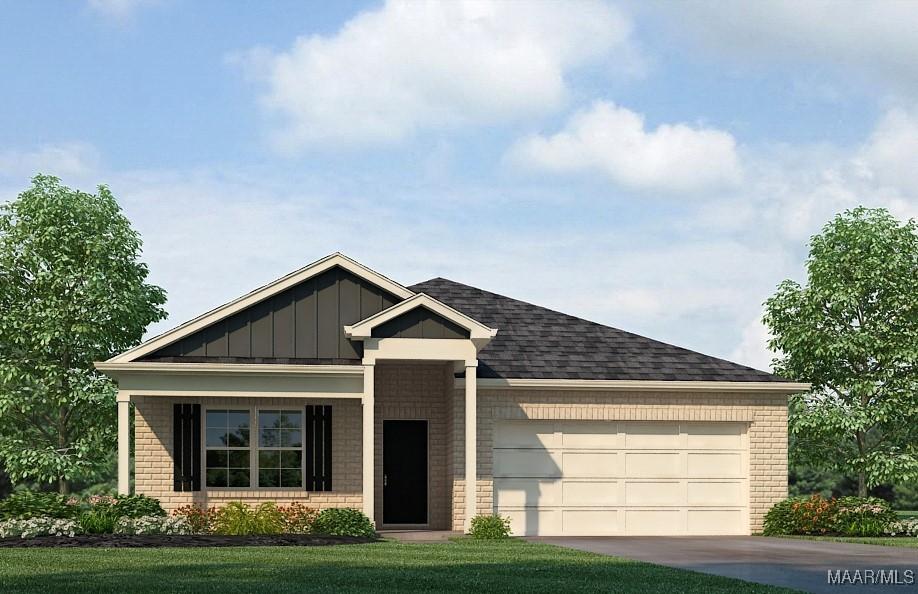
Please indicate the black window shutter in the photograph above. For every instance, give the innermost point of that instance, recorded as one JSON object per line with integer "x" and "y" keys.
{"x": 318, "y": 448}
{"x": 186, "y": 439}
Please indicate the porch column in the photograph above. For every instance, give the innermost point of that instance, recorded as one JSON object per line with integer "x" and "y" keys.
{"x": 471, "y": 442}
{"x": 369, "y": 423}
{"x": 124, "y": 443}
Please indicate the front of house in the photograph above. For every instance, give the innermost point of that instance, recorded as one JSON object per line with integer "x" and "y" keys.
{"x": 423, "y": 406}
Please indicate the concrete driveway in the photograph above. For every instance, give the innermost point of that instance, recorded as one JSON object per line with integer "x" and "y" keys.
{"x": 800, "y": 564}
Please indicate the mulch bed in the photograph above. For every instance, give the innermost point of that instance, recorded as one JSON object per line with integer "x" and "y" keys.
{"x": 180, "y": 540}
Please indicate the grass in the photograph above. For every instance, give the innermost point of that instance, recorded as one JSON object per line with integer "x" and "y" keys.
{"x": 909, "y": 542}
{"x": 460, "y": 566}
{"x": 907, "y": 514}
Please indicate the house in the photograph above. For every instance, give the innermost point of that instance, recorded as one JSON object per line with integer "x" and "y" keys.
{"x": 426, "y": 405}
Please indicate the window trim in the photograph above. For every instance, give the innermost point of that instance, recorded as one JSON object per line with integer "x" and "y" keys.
{"x": 253, "y": 449}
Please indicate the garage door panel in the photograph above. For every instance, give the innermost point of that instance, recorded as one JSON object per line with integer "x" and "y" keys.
{"x": 714, "y": 436}
{"x": 567, "y": 477}
{"x": 705, "y": 521}
{"x": 525, "y": 434}
{"x": 719, "y": 465}
{"x": 526, "y": 463}
{"x": 527, "y": 492}
{"x": 651, "y": 436}
{"x": 654, "y": 493}
{"x": 591, "y": 435}
{"x": 590, "y": 522}
{"x": 532, "y": 522}
{"x": 653, "y": 521}
{"x": 715, "y": 493}
{"x": 591, "y": 464}
{"x": 657, "y": 465}
{"x": 580, "y": 493}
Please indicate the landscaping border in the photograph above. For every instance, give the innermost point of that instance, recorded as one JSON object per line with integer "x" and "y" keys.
{"x": 181, "y": 540}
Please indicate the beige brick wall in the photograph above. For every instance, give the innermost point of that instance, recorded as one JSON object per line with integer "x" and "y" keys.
{"x": 765, "y": 413}
{"x": 153, "y": 455}
{"x": 417, "y": 391}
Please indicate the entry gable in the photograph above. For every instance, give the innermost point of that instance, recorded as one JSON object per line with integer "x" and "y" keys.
{"x": 299, "y": 316}
{"x": 421, "y": 316}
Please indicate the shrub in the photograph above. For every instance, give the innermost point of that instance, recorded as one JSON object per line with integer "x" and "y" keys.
{"x": 903, "y": 527}
{"x": 37, "y": 504}
{"x": 237, "y": 518}
{"x": 32, "y": 527}
{"x": 801, "y": 515}
{"x": 488, "y": 527}
{"x": 299, "y": 519}
{"x": 98, "y": 520}
{"x": 867, "y": 516}
{"x": 152, "y": 525}
{"x": 199, "y": 519}
{"x": 848, "y": 516}
{"x": 343, "y": 521}
{"x": 136, "y": 506}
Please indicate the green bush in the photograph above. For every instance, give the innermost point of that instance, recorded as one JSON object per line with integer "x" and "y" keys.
{"x": 816, "y": 515}
{"x": 99, "y": 520}
{"x": 863, "y": 516}
{"x": 37, "y": 504}
{"x": 490, "y": 527}
{"x": 137, "y": 506}
{"x": 343, "y": 521}
{"x": 237, "y": 518}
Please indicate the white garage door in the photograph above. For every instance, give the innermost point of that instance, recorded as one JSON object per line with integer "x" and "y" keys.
{"x": 605, "y": 478}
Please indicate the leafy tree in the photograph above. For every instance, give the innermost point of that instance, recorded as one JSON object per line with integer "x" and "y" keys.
{"x": 853, "y": 333}
{"x": 72, "y": 292}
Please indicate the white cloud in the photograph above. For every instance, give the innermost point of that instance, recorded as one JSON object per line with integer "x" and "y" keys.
{"x": 876, "y": 39}
{"x": 753, "y": 347}
{"x": 64, "y": 158}
{"x": 615, "y": 141}
{"x": 411, "y": 66}
{"x": 119, "y": 10}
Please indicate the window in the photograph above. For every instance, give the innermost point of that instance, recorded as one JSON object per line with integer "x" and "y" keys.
{"x": 280, "y": 448}
{"x": 228, "y": 448}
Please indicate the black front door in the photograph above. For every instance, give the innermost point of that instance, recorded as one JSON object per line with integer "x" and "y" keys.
{"x": 404, "y": 472}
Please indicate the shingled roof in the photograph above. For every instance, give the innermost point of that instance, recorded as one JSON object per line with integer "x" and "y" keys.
{"x": 539, "y": 343}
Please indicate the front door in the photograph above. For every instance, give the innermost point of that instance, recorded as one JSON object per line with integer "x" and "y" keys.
{"x": 404, "y": 472}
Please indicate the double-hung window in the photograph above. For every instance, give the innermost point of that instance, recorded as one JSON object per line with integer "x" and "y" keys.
{"x": 280, "y": 448}
{"x": 228, "y": 457}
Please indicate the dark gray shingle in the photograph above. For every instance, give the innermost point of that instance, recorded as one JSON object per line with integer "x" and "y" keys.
{"x": 539, "y": 343}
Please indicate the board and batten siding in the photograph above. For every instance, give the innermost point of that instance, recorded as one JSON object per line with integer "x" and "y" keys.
{"x": 304, "y": 322}
{"x": 420, "y": 322}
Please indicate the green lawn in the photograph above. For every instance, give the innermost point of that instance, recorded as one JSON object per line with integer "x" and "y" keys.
{"x": 461, "y": 566}
{"x": 907, "y": 514}
{"x": 907, "y": 542}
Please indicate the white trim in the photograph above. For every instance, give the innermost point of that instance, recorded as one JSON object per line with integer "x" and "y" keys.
{"x": 260, "y": 294}
{"x": 368, "y": 440}
{"x": 635, "y": 385}
{"x": 477, "y": 331}
{"x": 124, "y": 443}
{"x": 471, "y": 445}
{"x": 116, "y": 369}
{"x": 418, "y": 349}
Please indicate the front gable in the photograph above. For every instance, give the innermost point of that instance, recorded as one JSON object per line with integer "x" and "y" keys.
{"x": 304, "y": 322}
{"x": 297, "y": 318}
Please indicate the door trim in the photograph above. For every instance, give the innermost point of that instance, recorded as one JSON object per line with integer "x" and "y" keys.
{"x": 383, "y": 523}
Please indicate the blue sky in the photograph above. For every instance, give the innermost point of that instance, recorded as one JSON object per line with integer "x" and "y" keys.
{"x": 653, "y": 166}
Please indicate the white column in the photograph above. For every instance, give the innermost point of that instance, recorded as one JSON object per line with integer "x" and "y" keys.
{"x": 471, "y": 442}
{"x": 369, "y": 423}
{"x": 124, "y": 443}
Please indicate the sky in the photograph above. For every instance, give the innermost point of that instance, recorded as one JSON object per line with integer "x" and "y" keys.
{"x": 654, "y": 166}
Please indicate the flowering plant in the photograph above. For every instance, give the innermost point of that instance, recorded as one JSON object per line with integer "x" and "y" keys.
{"x": 153, "y": 525}
{"x": 298, "y": 519}
{"x": 199, "y": 519}
{"x": 904, "y": 527}
{"x": 33, "y": 527}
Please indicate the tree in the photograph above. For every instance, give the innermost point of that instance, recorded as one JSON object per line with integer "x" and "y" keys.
{"x": 72, "y": 292}
{"x": 852, "y": 332}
